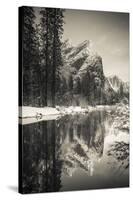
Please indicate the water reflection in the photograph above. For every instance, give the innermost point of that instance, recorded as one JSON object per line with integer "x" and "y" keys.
{"x": 71, "y": 154}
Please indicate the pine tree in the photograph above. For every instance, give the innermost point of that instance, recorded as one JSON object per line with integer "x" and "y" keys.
{"x": 29, "y": 55}
{"x": 44, "y": 54}
{"x": 57, "y": 58}
{"x": 52, "y": 30}
{"x": 41, "y": 56}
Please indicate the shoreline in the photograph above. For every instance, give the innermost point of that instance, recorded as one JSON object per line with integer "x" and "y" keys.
{"x": 29, "y": 114}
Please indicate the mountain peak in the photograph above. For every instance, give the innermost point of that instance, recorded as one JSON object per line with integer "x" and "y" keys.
{"x": 116, "y": 83}
{"x": 84, "y": 44}
{"x": 67, "y": 43}
{"x": 113, "y": 77}
{"x": 82, "y": 71}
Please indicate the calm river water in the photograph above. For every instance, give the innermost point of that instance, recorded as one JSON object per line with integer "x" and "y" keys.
{"x": 76, "y": 152}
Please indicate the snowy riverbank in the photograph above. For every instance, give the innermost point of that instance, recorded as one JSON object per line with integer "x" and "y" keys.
{"x": 33, "y": 114}
{"x": 30, "y": 112}
{"x": 121, "y": 116}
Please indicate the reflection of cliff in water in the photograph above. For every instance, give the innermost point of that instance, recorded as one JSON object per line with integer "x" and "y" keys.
{"x": 53, "y": 150}
{"x": 82, "y": 141}
{"x": 120, "y": 151}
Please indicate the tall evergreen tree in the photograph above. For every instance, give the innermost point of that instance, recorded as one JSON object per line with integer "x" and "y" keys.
{"x": 52, "y": 30}
{"x": 28, "y": 54}
{"x": 57, "y": 58}
{"x": 41, "y": 56}
{"x": 44, "y": 54}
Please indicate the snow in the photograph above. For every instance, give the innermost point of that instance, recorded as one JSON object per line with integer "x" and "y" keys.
{"x": 28, "y": 112}
{"x": 121, "y": 117}
{"x": 33, "y": 114}
{"x": 112, "y": 138}
{"x": 109, "y": 84}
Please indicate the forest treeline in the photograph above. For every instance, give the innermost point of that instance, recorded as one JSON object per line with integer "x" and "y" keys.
{"x": 56, "y": 73}
{"x": 41, "y": 55}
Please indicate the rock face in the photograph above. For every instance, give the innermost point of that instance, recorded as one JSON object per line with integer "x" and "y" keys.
{"x": 116, "y": 89}
{"x": 117, "y": 84}
{"x": 82, "y": 78}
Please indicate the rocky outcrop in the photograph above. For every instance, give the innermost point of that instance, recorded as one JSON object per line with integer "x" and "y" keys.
{"x": 119, "y": 86}
{"x": 82, "y": 79}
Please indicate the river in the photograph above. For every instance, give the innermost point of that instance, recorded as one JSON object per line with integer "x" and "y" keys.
{"x": 75, "y": 152}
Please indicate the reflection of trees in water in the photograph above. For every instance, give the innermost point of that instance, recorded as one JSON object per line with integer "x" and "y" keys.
{"x": 42, "y": 152}
{"x": 42, "y": 166}
{"x": 120, "y": 151}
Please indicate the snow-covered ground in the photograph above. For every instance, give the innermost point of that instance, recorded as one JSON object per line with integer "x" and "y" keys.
{"x": 28, "y": 112}
{"x": 121, "y": 116}
{"x": 33, "y": 114}
{"x": 29, "y": 115}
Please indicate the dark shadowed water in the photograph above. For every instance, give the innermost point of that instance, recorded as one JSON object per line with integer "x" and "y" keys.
{"x": 76, "y": 152}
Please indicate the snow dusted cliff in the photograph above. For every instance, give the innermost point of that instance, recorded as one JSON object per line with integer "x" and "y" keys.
{"x": 82, "y": 78}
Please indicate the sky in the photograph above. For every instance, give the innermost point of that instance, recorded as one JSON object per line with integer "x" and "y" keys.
{"x": 109, "y": 36}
